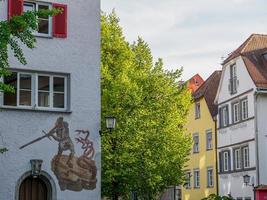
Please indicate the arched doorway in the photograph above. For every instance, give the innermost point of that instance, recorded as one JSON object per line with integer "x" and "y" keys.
{"x": 33, "y": 189}
{"x": 44, "y": 183}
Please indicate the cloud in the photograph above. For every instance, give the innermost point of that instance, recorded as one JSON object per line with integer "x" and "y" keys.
{"x": 190, "y": 33}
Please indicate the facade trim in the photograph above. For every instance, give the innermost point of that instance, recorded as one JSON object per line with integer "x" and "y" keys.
{"x": 246, "y": 92}
{"x": 233, "y": 124}
{"x": 238, "y": 143}
{"x": 234, "y": 171}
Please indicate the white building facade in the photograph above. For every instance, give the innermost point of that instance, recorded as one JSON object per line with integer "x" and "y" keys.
{"x": 56, "y": 93}
{"x": 242, "y": 141}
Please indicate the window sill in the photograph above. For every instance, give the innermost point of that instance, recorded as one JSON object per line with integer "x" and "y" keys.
{"x": 209, "y": 149}
{"x": 197, "y": 187}
{"x": 196, "y": 152}
{"x": 210, "y": 186}
{"x": 34, "y": 109}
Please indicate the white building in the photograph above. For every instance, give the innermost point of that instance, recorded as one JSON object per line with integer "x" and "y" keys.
{"x": 57, "y": 92}
{"x": 242, "y": 127}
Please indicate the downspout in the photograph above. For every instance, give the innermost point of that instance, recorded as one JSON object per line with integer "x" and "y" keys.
{"x": 216, "y": 158}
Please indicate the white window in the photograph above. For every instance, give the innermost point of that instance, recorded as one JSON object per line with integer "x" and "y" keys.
{"x": 244, "y": 109}
{"x": 197, "y": 110}
{"x": 224, "y": 118}
{"x": 236, "y": 112}
{"x": 209, "y": 139}
{"x": 37, "y": 91}
{"x": 237, "y": 159}
{"x": 245, "y": 153}
{"x": 233, "y": 79}
{"x": 44, "y": 23}
{"x": 188, "y": 180}
{"x": 196, "y": 143}
{"x": 196, "y": 178}
{"x": 210, "y": 177}
{"x": 226, "y": 161}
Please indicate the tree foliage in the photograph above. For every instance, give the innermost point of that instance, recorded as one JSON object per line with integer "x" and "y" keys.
{"x": 148, "y": 148}
{"x": 14, "y": 32}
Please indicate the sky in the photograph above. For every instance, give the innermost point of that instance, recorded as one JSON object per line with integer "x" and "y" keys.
{"x": 193, "y": 34}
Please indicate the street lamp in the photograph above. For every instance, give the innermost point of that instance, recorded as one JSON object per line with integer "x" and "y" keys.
{"x": 110, "y": 122}
{"x": 246, "y": 179}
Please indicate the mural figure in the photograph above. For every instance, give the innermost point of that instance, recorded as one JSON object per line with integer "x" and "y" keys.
{"x": 73, "y": 172}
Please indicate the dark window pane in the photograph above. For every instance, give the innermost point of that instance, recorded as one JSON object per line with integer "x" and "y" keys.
{"x": 25, "y": 81}
{"x": 43, "y": 83}
{"x": 11, "y": 80}
{"x": 25, "y": 98}
{"x": 43, "y": 26}
{"x": 58, "y": 100}
{"x": 43, "y": 99}
{"x": 58, "y": 84}
{"x": 10, "y": 99}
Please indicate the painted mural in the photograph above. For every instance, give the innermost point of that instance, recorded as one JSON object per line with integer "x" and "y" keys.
{"x": 73, "y": 172}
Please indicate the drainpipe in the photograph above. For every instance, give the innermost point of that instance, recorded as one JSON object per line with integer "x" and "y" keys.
{"x": 256, "y": 93}
{"x": 216, "y": 157}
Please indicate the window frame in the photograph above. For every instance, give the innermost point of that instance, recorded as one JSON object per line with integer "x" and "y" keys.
{"x": 242, "y": 108}
{"x": 235, "y": 159}
{"x": 226, "y": 163}
{"x": 210, "y": 177}
{"x": 197, "y": 110}
{"x": 209, "y": 132}
{"x": 188, "y": 180}
{"x": 236, "y": 112}
{"x": 224, "y": 118}
{"x": 34, "y": 91}
{"x": 50, "y": 19}
{"x": 196, "y": 178}
{"x": 233, "y": 79}
{"x": 196, "y": 135}
{"x": 243, "y": 157}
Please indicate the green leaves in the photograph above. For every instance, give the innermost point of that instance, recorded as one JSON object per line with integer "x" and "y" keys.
{"x": 148, "y": 149}
{"x": 217, "y": 197}
{"x": 13, "y": 32}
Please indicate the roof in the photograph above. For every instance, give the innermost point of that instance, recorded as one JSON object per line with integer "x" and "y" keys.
{"x": 208, "y": 90}
{"x": 252, "y": 51}
{"x": 195, "y": 82}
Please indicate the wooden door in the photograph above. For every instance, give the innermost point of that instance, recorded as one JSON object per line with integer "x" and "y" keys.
{"x": 33, "y": 189}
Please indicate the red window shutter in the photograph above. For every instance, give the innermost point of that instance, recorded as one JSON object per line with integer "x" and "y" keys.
{"x": 60, "y": 21}
{"x": 15, "y": 7}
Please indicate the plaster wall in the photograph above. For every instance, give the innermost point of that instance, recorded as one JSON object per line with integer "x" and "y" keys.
{"x": 262, "y": 137}
{"x": 78, "y": 55}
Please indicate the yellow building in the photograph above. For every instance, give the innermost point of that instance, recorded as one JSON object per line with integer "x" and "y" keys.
{"x": 201, "y": 169}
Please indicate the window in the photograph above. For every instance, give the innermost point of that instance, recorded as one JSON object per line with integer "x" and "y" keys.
{"x": 37, "y": 91}
{"x": 196, "y": 143}
{"x": 44, "y": 23}
{"x": 236, "y": 112}
{"x": 197, "y": 110}
{"x": 239, "y": 198}
{"x": 224, "y": 116}
{"x": 210, "y": 177}
{"x": 244, "y": 109}
{"x": 209, "y": 139}
{"x": 226, "y": 161}
{"x": 237, "y": 159}
{"x": 188, "y": 180}
{"x": 233, "y": 80}
{"x": 247, "y": 198}
{"x": 196, "y": 178}
{"x": 245, "y": 154}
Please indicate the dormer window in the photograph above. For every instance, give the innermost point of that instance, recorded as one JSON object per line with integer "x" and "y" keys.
{"x": 233, "y": 80}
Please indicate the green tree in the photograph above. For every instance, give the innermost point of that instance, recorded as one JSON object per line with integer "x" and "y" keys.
{"x": 14, "y": 32}
{"x": 148, "y": 148}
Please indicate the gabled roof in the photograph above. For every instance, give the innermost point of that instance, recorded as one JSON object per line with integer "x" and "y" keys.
{"x": 252, "y": 51}
{"x": 195, "y": 82}
{"x": 208, "y": 90}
